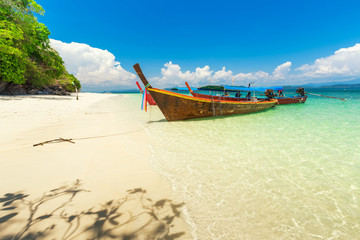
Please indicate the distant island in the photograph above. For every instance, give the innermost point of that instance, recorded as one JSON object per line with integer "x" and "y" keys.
{"x": 28, "y": 64}
{"x": 345, "y": 85}
{"x": 351, "y": 84}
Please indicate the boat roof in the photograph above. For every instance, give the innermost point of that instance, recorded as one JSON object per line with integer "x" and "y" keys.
{"x": 228, "y": 88}
{"x": 180, "y": 89}
{"x": 256, "y": 89}
{"x": 238, "y": 88}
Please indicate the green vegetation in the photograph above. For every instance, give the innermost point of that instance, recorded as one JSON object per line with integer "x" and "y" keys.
{"x": 212, "y": 87}
{"x": 25, "y": 53}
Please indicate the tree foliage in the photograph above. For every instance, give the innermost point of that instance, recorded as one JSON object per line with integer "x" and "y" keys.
{"x": 26, "y": 56}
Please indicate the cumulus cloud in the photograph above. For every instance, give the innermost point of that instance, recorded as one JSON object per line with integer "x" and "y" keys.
{"x": 345, "y": 62}
{"x": 259, "y": 75}
{"x": 281, "y": 71}
{"x": 223, "y": 74}
{"x": 173, "y": 76}
{"x": 92, "y": 66}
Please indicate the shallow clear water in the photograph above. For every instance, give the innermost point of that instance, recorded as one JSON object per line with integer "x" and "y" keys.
{"x": 292, "y": 172}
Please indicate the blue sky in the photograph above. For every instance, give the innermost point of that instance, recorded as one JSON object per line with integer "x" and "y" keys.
{"x": 171, "y": 39}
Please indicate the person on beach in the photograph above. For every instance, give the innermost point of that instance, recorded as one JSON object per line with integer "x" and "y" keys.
{"x": 248, "y": 95}
{"x": 238, "y": 94}
{"x": 280, "y": 92}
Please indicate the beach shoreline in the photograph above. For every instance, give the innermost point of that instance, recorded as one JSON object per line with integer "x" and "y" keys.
{"x": 108, "y": 153}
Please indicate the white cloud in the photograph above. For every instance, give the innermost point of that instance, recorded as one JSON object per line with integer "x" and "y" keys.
{"x": 223, "y": 75}
{"x": 345, "y": 62}
{"x": 260, "y": 75}
{"x": 95, "y": 67}
{"x": 173, "y": 76}
{"x": 281, "y": 71}
{"x": 92, "y": 66}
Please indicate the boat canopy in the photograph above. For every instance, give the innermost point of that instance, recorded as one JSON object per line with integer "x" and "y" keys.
{"x": 239, "y": 88}
{"x": 181, "y": 89}
{"x": 256, "y": 89}
{"x": 228, "y": 88}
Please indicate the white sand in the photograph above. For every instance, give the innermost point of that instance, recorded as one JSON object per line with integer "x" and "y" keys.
{"x": 110, "y": 154}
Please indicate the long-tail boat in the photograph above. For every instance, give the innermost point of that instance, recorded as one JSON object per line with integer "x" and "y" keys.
{"x": 281, "y": 100}
{"x": 176, "y": 106}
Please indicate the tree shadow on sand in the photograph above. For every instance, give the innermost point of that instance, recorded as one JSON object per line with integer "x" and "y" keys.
{"x": 134, "y": 216}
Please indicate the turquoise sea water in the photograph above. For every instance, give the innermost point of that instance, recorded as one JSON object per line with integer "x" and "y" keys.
{"x": 292, "y": 172}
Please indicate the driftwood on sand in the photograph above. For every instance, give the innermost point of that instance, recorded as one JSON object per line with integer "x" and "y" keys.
{"x": 55, "y": 141}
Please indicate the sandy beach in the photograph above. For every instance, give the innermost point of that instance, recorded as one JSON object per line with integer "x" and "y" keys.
{"x": 130, "y": 174}
{"x": 108, "y": 158}
{"x": 242, "y": 126}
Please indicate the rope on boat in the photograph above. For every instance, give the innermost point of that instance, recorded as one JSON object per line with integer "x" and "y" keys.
{"x": 343, "y": 99}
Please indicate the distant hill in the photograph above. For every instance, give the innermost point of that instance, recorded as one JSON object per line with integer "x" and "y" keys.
{"x": 348, "y": 84}
{"x": 123, "y": 91}
{"x": 343, "y": 86}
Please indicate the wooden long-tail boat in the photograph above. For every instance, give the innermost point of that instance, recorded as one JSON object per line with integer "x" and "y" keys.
{"x": 176, "y": 106}
{"x": 281, "y": 100}
{"x": 289, "y": 100}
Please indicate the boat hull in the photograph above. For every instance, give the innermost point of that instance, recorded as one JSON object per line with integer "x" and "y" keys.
{"x": 290, "y": 100}
{"x": 177, "y": 106}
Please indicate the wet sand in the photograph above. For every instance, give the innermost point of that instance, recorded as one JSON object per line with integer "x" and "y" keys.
{"x": 109, "y": 159}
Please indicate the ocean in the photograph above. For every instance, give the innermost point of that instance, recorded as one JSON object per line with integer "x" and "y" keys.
{"x": 292, "y": 172}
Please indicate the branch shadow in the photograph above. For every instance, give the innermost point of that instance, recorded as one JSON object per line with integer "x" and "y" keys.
{"x": 134, "y": 216}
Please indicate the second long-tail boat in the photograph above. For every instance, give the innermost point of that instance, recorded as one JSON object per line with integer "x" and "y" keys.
{"x": 149, "y": 99}
{"x": 176, "y": 106}
{"x": 281, "y": 100}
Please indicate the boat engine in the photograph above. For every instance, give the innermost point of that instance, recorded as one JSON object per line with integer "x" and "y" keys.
{"x": 301, "y": 91}
{"x": 270, "y": 93}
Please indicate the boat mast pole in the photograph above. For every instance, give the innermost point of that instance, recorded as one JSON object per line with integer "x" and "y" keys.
{"x": 141, "y": 75}
{"x": 253, "y": 84}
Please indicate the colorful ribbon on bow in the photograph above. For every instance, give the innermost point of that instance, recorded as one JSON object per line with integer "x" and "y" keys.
{"x": 144, "y": 100}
